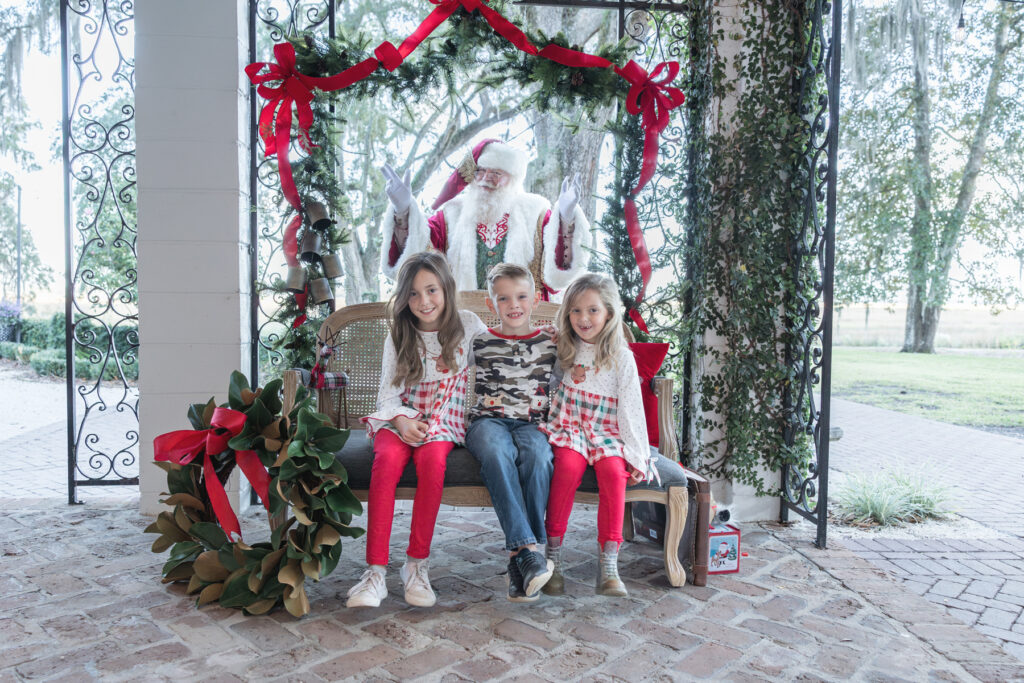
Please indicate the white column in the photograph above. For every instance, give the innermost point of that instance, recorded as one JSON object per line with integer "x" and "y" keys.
{"x": 192, "y": 161}
{"x": 741, "y": 499}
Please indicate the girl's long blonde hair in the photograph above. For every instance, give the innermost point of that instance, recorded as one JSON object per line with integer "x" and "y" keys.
{"x": 610, "y": 339}
{"x": 404, "y": 334}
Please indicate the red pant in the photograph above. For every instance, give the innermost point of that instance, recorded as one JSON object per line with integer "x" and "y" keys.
{"x": 611, "y": 493}
{"x": 390, "y": 456}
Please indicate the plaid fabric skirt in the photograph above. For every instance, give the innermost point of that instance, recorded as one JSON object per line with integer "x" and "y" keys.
{"x": 588, "y": 423}
{"x": 441, "y": 404}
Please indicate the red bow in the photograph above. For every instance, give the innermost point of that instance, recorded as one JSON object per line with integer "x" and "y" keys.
{"x": 276, "y": 116}
{"x": 653, "y": 98}
{"x": 184, "y": 446}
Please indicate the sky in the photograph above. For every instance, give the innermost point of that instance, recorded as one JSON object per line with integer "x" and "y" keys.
{"x": 42, "y": 191}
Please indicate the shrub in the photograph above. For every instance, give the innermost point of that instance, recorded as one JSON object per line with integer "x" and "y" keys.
{"x": 8, "y": 350}
{"x": 49, "y": 362}
{"x": 890, "y": 498}
{"x": 35, "y": 331}
{"x": 24, "y": 352}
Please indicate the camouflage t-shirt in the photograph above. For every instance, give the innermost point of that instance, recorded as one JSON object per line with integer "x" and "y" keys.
{"x": 513, "y": 376}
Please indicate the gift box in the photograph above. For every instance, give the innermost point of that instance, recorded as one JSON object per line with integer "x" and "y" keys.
{"x": 724, "y": 549}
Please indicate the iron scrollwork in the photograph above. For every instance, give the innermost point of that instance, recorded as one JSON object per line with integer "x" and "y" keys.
{"x": 805, "y": 489}
{"x": 101, "y": 307}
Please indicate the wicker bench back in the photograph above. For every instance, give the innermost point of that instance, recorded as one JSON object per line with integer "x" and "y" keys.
{"x": 357, "y": 334}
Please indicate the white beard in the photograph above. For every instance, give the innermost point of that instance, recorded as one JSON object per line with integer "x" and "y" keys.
{"x": 489, "y": 206}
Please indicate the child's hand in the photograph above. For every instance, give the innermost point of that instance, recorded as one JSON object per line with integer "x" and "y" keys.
{"x": 550, "y": 330}
{"x": 411, "y": 431}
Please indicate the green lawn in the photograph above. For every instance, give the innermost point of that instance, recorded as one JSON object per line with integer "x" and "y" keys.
{"x": 975, "y": 390}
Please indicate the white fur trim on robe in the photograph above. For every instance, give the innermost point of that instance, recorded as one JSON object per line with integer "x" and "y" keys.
{"x": 555, "y": 277}
{"x": 417, "y": 241}
{"x": 523, "y": 219}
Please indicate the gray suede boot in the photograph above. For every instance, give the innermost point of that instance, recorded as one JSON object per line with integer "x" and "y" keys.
{"x": 608, "y": 581}
{"x": 553, "y": 552}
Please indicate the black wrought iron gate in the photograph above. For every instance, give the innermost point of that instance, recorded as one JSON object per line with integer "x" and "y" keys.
{"x": 805, "y": 490}
{"x": 101, "y": 299}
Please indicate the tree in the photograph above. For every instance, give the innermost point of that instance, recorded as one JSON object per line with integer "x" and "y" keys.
{"x": 34, "y": 274}
{"x": 918, "y": 134}
{"x": 19, "y": 26}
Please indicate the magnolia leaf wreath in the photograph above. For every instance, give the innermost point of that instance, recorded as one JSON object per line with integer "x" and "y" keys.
{"x": 289, "y": 459}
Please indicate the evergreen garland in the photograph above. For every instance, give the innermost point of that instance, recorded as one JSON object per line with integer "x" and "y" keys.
{"x": 451, "y": 49}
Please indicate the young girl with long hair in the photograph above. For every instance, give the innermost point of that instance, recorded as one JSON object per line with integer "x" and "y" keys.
{"x": 597, "y": 419}
{"x": 420, "y": 415}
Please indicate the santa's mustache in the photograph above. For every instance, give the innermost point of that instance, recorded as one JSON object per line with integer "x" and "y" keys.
{"x": 490, "y": 205}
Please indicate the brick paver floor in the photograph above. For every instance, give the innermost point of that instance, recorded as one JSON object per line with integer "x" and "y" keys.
{"x": 980, "y": 581}
{"x": 82, "y": 601}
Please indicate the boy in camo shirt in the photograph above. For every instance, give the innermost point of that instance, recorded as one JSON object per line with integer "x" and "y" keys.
{"x": 514, "y": 365}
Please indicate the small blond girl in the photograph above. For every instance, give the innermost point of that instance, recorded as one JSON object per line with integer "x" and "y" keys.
{"x": 596, "y": 419}
{"x": 420, "y": 415}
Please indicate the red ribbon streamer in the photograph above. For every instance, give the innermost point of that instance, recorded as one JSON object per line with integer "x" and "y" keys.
{"x": 184, "y": 446}
{"x": 653, "y": 98}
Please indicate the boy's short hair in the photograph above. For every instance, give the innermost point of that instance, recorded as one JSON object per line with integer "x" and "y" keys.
{"x": 509, "y": 270}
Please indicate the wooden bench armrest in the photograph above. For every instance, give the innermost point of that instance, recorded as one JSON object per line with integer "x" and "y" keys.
{"x": 291, "y": 380}
{"x": 662, "y": 387}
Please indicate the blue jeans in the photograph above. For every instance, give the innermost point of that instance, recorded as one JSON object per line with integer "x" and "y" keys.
{"x": 516, "y": 464}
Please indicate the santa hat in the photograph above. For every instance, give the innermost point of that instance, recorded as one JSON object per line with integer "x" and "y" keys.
{"x": 488, "y": 153}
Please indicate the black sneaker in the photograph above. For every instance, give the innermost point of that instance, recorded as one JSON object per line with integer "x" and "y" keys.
{"x": 535, "y": 570}
{"x": 515, "y": 584}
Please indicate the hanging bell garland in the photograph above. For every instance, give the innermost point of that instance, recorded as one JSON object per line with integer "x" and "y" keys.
{"x": 318, "y": 217}
{"x": 320, "y": 290}
{"x": 296, "y": 280}
{"x": 332, "y": 266}
{"x": 309, "y": 248}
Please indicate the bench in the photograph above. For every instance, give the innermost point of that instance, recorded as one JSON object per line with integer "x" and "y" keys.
{"x": 356, "y": 334}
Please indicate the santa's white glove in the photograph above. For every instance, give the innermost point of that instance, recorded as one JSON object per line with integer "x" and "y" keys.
{"x": 569, "y": 198}
{"x": 399, "y": 190}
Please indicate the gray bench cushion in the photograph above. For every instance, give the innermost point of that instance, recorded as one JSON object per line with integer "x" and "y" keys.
{"x": 464, "y": 470}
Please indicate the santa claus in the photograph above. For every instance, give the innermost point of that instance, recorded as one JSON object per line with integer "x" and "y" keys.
{"x": 486, "y": 217}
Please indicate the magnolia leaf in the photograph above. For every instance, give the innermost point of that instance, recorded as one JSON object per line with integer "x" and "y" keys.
{"x": 249, "y": 396}
{"x": 296, "y": 602}
{"x": 236, "y": 590}
{"x": 181, "y": 519}
{"x": 259, "y": 416}
{"x": 274, "y": 446}
{"x": 239, "y": 555}
{"x": 227, "y": 557}
{"x": 329, "y": 560}
{"x": 270, "y": 563}
{"x": 167, "y": 466}
{"x": 211, "y": 535}
{"x": 237, "y": 383}
{"x": 194, "y": 584}
{"x": 181, "y": 572}
{"x": 297, "y": 448}
{"x": 260, "y": 607}
{"x": 210, "y": 594}
{"x": 341, "y": 499}
{"x": 327, "y": 535}
{"x": 208, "y": 567}
{"x": 255, "y": 583}
{"x": 200, "y": 414}
{"x": 167, "y": 526}
{"x": 290, "y": 574}
{"x": 296, "y": 498}
{"x": 311, "y": 568}
{"x": 330, "y": 439}
{"x": 161, "y": 544}
{"x": 301, "y": 517}
{"x": 282, "y": 454}
{"x": 271, "y": 395}
{"x": 185, "y": 500}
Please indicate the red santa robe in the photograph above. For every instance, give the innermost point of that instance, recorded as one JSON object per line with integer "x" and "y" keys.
{"x": 532, "y": 241}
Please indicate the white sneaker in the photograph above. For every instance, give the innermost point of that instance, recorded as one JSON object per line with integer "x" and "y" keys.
{"x": 370, "y": 590}
{"x": 418, "y": 592}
